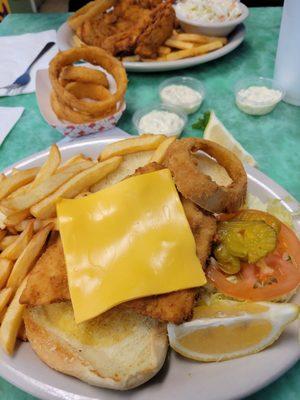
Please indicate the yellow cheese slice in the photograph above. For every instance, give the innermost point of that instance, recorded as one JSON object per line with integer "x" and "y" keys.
{"x": 127, "y": 241}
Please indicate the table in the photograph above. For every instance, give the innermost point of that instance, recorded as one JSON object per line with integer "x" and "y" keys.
{"x": 274, "y": 140}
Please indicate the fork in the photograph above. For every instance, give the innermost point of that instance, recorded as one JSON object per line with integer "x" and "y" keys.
{"x": 25, "y": 78}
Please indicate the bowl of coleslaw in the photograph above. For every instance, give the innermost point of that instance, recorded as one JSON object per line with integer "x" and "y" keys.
{"x": 210, "y": 17}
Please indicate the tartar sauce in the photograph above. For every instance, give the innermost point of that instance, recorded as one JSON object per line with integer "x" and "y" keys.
{"x": 161, "y": 122}
{"x": 209, "y": 10}
{"x": 257, "y": 100}
{"x": 181, "y": 96}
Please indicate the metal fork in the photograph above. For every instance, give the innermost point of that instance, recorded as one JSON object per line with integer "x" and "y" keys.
{"x": 25, "y": 78}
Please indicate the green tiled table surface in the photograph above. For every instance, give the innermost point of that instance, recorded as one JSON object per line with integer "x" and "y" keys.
{"x": 274, "y": 140}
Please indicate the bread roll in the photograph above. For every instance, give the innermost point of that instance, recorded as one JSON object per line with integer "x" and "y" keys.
{"x": 118, "y": 350}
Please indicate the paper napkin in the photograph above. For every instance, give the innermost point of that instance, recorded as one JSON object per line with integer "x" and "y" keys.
{"x": 17, "y": 53}
{"x": 9, "y": 116}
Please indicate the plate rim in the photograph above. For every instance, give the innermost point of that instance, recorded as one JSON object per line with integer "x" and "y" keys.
{"x": 237, "y": 37}
{"x": 49, "y": 392}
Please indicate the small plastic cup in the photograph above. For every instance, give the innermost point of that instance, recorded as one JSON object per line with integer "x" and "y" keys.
{"x": 158, "y": 126}
{"x": 185, "y": 106}
{"x": 257, "y": 107}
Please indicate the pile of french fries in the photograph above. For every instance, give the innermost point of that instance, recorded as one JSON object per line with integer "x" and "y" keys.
{"x": 184, "y": 45}
{"x": 28, "y": 223}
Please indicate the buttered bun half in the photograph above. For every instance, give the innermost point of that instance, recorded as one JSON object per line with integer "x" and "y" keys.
{"x": 119, "y": 350}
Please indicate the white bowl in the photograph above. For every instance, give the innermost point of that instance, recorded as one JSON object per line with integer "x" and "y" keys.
{"x": 193, "y": 83}
{"x": 258, "y": 107}
{"x": 158, "y": 107}
{"x": 211, "y": 28}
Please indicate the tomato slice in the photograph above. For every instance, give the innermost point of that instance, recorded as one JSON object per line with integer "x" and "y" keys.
{"x": 282, "y": 275}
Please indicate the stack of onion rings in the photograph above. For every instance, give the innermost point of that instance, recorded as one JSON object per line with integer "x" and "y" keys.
{"x": 79, "y": 103}
{"x": 200, "y": 188}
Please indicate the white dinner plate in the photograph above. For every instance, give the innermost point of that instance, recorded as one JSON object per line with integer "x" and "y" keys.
{"x": 65, "y": 42}
{"x": 180, "y": 378}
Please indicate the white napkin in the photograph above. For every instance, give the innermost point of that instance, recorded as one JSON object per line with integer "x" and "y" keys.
{"x": 17, "y": 53}
{"x": 9, "y": 116}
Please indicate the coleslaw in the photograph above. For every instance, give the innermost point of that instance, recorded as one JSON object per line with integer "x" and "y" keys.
{"x": 209, "y": 10}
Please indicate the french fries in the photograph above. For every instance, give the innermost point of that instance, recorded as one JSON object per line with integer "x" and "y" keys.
{"x": 192, "y": 52}
{"x": 182, "y": 41}
{"x": 160, "y": 152}
{"x": 5, "y": 296}
{"x": 37, "y": 224}
{"x": 13, "y": 251}
{"x": 73, "y": 160}
{"x": 45, "y": 188}
{"x": 14, "y": 181}
{"x": 131, "y": 58}
{"x": 197, "y": 38}
{"x": 2, "y": 313}
{"x": 7, "y": 241}
{"x": 27, "y": 258}
{"x": 128, "y": 146}
{"x": 5, "y": 270}
{"x": 49, "y": 167}
{"x": 2, "y": 234}
{"x": 12, "y": 321}
{"x": 178, "y": 44}
{"x": 16, "y": 218}
{"x": 47, "y": 207}
{"x": 163, "y": 50}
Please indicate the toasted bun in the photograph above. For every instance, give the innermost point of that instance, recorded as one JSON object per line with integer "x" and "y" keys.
{"x": 128, "y": 166}
{"x": 118, "y": 350}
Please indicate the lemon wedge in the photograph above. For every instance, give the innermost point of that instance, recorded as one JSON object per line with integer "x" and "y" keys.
{"x": 229, "y": 329}
{"x": 216, "y": 132}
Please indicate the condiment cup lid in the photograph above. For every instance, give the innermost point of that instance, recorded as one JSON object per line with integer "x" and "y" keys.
{"x": 157, "y": 107}
{"x": 258, "y": 81}
{"x": 193, "y": 83}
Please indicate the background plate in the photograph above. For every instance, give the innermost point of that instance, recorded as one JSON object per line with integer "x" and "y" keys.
{"x": 180, "y": 378}
{"x": 65, "y": 42}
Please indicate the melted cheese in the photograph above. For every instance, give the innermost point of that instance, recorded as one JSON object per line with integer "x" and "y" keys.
{"x": 127, "y": 241}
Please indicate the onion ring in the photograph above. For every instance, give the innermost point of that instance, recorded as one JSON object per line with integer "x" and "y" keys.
{"x": 88, "y": 11}
{"x": 66, "y": 113}
{"x": 83, "y": 90}
{"x": 200, "y": 188}
{"x": 95, "y": 56}
{"x": 83, "y": 74}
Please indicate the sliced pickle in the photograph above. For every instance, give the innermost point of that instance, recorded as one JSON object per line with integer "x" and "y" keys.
{"x": 248, "y": 240}
{"x": 227, "y": 263}
{"x": 261, "y": 239}
{"x": 256, "y": 215}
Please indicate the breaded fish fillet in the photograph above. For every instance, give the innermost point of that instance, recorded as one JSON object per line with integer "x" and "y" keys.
{"x": 48, "y": 284}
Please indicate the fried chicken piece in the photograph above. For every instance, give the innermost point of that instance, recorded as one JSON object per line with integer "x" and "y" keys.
{"x": 157, "y": 32}
{"x": 141, "y": 25}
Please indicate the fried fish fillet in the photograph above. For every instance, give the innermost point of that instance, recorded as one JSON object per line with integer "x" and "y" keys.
{"x": 48, "y": 283}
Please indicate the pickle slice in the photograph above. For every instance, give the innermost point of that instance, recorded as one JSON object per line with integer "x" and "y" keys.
{"x": 228, "y": 263}
{"x": 248, "y": 240}
{"x": 256, "y": 215}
